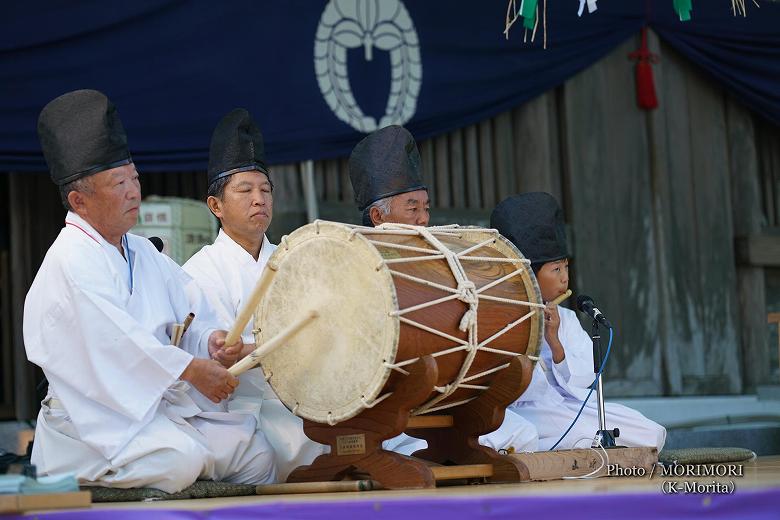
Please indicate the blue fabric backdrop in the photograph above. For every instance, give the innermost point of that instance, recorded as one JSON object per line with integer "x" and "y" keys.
{"x": 174, "y": 68}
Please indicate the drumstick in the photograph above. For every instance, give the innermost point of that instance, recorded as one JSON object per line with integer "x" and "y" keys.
{"x": 249, "y": 307}
{"x": 562, "y": 297}
{"x": 254, "y": 358}
{"x": 317, "y": 487}
{"x": 187, "y": 322}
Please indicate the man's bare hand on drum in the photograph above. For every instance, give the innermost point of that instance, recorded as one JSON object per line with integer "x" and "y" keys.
{"x": 227, "y": 355}
{"x": 210, "y": 378}
{"x": 552, "y": 322}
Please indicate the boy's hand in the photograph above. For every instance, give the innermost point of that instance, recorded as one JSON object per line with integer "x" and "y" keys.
{"x": 552, "y": 322}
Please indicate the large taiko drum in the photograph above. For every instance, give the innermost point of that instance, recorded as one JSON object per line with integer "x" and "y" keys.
{"x": 387, "y": 296}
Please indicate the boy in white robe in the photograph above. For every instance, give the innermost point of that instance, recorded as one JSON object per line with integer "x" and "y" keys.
{"x": 384, "y": 169}
{"x": 534, "y": 223}
{"x": 240, "y": 195}
{"x": 97, "y": 318}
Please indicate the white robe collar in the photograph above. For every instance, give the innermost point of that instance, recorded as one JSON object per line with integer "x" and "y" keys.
{"x": 240, "y": 254}
{"x": 78, "y": 223}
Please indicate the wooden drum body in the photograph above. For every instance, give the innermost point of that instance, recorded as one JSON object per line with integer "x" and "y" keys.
{"x": 387, "y": 296}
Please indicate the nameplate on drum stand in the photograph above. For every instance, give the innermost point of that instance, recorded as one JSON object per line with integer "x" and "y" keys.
{"x": 351, "y": 444}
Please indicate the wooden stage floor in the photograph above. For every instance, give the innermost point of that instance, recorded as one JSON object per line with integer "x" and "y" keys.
{"x": 755, "y": 495}
{"x": 760, "y": 474}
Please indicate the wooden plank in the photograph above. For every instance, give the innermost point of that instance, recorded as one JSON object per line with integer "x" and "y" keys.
{"x": 473, "y": 174}
{"x": 457, "y": 169}
{"x": 289, "y": 206}
{"x": 486, "y": 165}
{"x": 6, "y": 354}
{"x": 555, "y": 465}
{"x": 297, "y": 488}
{"x": 758, "y": 250}
{"x": 535, "y": 146}
{"x": 32, "y": 229}
{"x": 25, "y": 503}
{"x": 340, "y": 212}
{"x": 698, "y": 241}
{"x": 430, "y": 421}
{"x": 287, "y": 184}
{"x": 610, "y": 208}
{"x": 428, "y": 171}
{"x": 661, "y": 202}
{"x": 331, "y": 180}
{"x": 553, "y": 176}
{"x": 442, "y": 172}
{"x": 717, "y": 308}
{"x": 506, "y": 172}
{"x": 319, "y": 178}
{"x": 465, "y": 471}
{"x": 768, "y": 144}
{"x": 464, "y": 217}
{"x": 347, "y": 192}
{"x": 680, "y": 246}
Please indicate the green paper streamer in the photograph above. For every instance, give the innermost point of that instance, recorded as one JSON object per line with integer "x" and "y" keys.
{"x": 528, "y": 12}
{"x": 683, "y": 9}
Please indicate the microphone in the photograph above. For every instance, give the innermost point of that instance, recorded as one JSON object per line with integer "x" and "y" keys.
{"x": 158, "y": 243}
{"x": 585, "y": 304}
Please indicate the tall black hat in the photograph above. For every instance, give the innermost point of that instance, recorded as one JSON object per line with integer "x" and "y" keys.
{"x": 383, "y": 164}
{"x": 236, "y": 146}
{"x": 534, "y": 223}
{"x": 81, "y": 134}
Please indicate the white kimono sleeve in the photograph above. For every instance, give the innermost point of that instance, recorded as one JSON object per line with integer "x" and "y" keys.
{"x": 85, "y": 338}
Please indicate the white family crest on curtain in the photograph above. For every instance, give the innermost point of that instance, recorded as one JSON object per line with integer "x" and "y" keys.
{"x": 381, "y": 24}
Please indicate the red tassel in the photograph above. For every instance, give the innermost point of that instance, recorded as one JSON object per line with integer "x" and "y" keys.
{"x": 645, "y": 85}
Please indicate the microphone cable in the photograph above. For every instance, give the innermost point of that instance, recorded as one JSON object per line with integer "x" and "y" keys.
{"x": 592, "y": 387}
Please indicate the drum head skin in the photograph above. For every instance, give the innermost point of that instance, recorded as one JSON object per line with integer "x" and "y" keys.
{"x": 329, "y": 370}
{"x": 359, "y": 281}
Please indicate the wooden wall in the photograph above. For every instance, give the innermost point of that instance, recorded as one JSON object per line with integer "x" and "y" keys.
{"x": 654, "y": 202}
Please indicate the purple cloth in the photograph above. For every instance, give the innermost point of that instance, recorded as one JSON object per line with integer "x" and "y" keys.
{"x": 743, "y": 504}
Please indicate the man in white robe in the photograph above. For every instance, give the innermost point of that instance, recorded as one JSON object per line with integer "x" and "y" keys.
{"x": 561, "y": 380}
{"x": 384, "y": 169}
{"x": 240, "y": 195}
{"x": 120, "y": 409}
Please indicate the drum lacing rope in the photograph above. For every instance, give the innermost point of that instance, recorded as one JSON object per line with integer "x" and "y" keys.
{"x": 476, "y": 246}
{"x": 421, "y": 411}
{"x": 403, "y": 229}
{"x": 371, "y": 404}
{"x": 397, "y": 368}
{"x": 403, "y": 246}
{"x": 423, "y": 281}
{"x": 465, "y": 291}
{"x": 434, "y": 355}
{"x": 485, "y": 373}
{"x": 413, "y": 259}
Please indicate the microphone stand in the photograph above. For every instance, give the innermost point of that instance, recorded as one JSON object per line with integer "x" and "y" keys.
{"x": 606, "y": 437}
